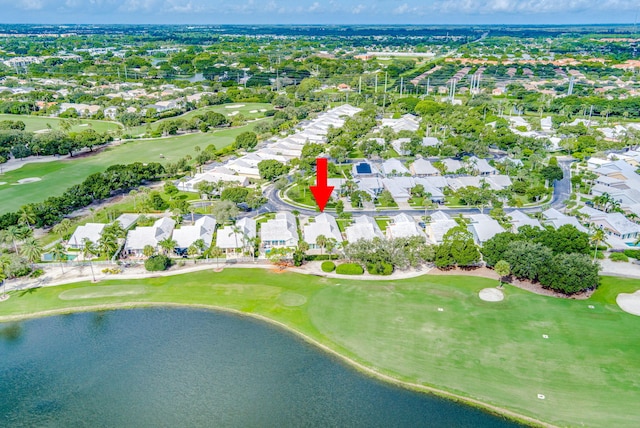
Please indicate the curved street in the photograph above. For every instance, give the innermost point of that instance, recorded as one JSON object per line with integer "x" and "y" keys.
{"x": 561, "y": 192}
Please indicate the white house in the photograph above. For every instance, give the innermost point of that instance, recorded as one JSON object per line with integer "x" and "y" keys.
{"x": 615, "y": 224}
{"x": 481, "y": 166}
{"x": 404, "y": 226}
{"x": 281, "y": 231}
{"x": 400, "y": 146}
{"x": 203, "y": 228}
{"x": 232, "y": 239}
{"x": 519, "y": 219}
{"x": 393, "y": 167}
{"x": 423, "y": 168}
{"x": 363, "y": 227}
{"x": 90, "y": 232}
{"x": 111, "y": 112}
{"x": 484, "y": 227}
{"x": 140, "y": 237}
{"x": 439, "y": 225}
{"x": 556, "y": 219}
{"x": 323, "y": 224}
{"x": 219, "y": 174}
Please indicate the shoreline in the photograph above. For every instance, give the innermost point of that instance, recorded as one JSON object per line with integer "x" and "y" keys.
{"x": 360, "y": 367}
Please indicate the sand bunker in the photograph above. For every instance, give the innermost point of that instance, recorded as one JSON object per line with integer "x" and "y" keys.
{"x": 28, "y": 180}
{"x": 233, "y": 113}
{"x": 263, "y": 110}
{"x": 2, "y": 183}
{"x": 234, "y": 106}
{"x": 491, "y": 295}
{"x": 629, "y": 303}
{"x": 253, "y": 111}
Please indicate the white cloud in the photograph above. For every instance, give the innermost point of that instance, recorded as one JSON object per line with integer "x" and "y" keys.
{"x": 31, "y": 4}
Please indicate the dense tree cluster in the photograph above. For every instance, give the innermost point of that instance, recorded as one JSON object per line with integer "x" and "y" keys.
{"x": 557, "y": 258}
{"x": 377, "y": 254}
{"x": 96, "y": 187}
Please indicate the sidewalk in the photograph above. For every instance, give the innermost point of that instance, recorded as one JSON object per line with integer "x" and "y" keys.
{"x": 53, "y": 275}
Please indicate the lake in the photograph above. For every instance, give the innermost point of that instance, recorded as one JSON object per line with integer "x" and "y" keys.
{"x": 182, "y": 367}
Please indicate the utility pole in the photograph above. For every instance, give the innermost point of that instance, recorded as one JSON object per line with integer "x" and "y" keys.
{"x": 360, "y": 85}
{"x": 401, "y": 85}
{"x": 428, "y": 84}
{"x": 385, "y": 82}
{"x": 376, "y": 90}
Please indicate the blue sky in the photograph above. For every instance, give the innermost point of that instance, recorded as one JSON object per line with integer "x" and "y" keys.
{"x": 319, "y": 12}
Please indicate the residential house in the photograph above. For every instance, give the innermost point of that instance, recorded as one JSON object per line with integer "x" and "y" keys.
{"x": 404, "y": 226}
{"x": 614, "y": 224}
{"x": 281, "y": 231}
{"x": 234, "y": 239}
{"x": 364, "y": 169}
{"x": 484, "y": 227}
{"x": 89, "y": 232}
{"x": 393, "y": 168}
{"x": 111, "y": 112}
{"x": 186, "y": 236}
{"x": 363, "y": 227}
{"x": 519, "y": 219}
{"x": 423, "y": 168}
{"x": 219, "y": 174}
{"x": 323, "y": 224}
{"x": 140, "y": 237}
{"x": 481, "y": 166}
{"x": 439, "y": 225}
{"x": 400, "y": 146}
{"x": 556, "y": 219}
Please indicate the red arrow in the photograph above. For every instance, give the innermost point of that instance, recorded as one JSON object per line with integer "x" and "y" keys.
{"x": 321, "y": 191}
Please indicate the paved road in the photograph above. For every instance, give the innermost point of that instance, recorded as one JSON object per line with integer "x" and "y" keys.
{"x": 561, "y": 192}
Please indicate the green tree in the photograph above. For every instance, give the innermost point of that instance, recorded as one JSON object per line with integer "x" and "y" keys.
{"x": 270, "y": 169}
{"x": 88, "y": 251}
{"x": 59, "y": 254}
{"x": 31, "y": 250}
{"x": 167, "y": 245}
{"x": 148, "y": 251}
{"x": 321, "y": 241}
{"x": 503, "y": 269}
{"x": 493, "y": 250}
{"x": 225, "y": 211}
{"x": 193, "y": 252}
{"x": 571, "y": 273}
{"x": 246, "y": 140}
{"x": 528, "y": 260}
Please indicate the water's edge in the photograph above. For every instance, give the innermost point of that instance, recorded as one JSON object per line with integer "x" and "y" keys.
{"x": 360, "y": 367}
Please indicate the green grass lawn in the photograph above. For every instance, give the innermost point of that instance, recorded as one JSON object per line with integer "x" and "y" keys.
{"x": 37, "y": 123}
{"x": 588, "y": 368}
{"x": 56, "y": 176}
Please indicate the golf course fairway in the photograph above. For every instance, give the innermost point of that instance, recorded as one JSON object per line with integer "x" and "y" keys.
{"x": 541, "y": 360}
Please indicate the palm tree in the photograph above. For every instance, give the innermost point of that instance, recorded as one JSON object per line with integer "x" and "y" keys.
{"x": 88, "y": 251}
{"x": 31, "y": 250}
{"x": 63, "y": 227}
{"x": 134, "y": 193}
{"x": 148, "y": 251}
{"x": 107, "y": 245}
{"x": 59, "y": 254}
{"x": 216, "y": 253}
{"x": 27, "y": 216}
{"x": 193, "y": 252}
{"x": 597, "y": 237}
{"x": 331, "y": 245}
{"x": 13, "y": 234}
{"x": 321, "y": 241}
{"x": 167, "y": 245}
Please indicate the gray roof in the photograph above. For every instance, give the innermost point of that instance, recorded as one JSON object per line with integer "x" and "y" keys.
{"x": 363, "y": 227}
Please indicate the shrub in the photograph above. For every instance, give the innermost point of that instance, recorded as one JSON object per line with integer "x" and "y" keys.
{"x": 112, "y": 271}
{"x": 380, "y": 268}
{"x": 156, "y": 263}
{"x": 350, "y": 269}
{"x": 634, "y": 254}
{"x": 328, "y": 266}
{"x": 618, "y": 257}
{"x": 36, "y": 273}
